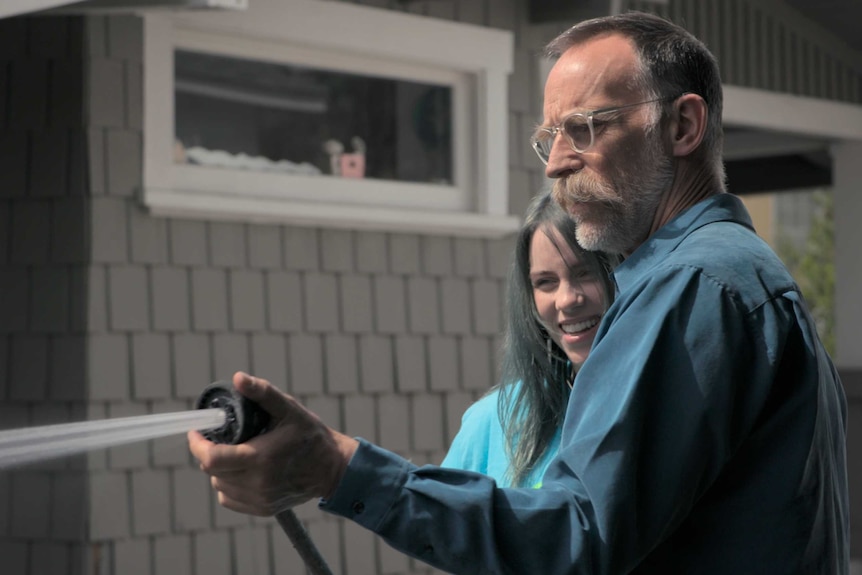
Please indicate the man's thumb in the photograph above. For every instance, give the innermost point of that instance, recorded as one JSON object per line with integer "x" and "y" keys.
{"x": 264, "y": 394}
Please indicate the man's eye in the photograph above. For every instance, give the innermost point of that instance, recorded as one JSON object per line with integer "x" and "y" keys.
{"x": 577, "y": 128}
{"x": 599, "y": 125}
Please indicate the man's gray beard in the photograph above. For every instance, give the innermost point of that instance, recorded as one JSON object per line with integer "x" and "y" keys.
{"x": 610, "y": 234}
{"x": 606, "y": 222}
{"x": 622, "y": 212}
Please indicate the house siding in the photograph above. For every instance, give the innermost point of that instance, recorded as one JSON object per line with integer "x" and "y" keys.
{"x": 109, "y": 312}
{"x": 45, "y": 287}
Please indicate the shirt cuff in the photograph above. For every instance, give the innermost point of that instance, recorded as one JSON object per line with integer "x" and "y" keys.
{"x": 370, "y": 485}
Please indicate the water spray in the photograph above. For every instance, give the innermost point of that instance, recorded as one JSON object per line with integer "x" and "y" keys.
{"x": 222, "y": 415}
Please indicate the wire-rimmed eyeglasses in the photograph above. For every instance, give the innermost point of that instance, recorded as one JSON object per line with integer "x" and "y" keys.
{"x": 579, "y": 129}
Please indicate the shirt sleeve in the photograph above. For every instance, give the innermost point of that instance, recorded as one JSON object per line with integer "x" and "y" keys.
{"x": 665, "y": 398}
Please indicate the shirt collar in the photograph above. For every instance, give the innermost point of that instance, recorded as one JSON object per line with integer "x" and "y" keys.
{"x": 722, "y": 207}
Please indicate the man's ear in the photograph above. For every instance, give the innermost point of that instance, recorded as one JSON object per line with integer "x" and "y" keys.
{"x": 688, "y": 124}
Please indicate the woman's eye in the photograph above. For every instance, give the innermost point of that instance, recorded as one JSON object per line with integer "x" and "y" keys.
{"x": 542, "y": 283}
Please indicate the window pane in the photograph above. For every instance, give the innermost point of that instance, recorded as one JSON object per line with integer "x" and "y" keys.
{"x": 247, "y": 114}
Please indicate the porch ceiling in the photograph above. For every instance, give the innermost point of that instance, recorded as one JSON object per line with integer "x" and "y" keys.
{"x": 841, "y": 17}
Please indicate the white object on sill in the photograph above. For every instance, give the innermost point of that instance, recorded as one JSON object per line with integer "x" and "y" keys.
{"x": 242, "y": 161}
{"x": 334, "y": 149}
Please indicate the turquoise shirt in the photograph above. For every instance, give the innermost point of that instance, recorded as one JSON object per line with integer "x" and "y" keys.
{"x": 480, "y": 445}
{"x": 705, "y": 435}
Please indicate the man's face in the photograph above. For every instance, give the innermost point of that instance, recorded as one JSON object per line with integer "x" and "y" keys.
{"x": 613, "y": 189}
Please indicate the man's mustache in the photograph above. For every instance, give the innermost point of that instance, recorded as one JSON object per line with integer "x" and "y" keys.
{"x": 582, "y": 188}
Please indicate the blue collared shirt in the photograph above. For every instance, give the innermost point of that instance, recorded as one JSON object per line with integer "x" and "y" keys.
{"x": 705, "y": 434}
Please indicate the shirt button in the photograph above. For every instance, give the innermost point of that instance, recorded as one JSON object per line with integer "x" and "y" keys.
{"x": 358, "y": 507}
{"x": 428, "y": 550}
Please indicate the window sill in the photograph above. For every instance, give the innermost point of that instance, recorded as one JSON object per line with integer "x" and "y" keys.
{"x": 214, "y": 206}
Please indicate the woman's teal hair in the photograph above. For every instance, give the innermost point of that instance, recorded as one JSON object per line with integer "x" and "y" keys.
{"x": 533, "y": 390}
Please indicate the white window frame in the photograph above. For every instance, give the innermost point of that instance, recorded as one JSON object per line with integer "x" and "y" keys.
{"x": 473, "y": 61}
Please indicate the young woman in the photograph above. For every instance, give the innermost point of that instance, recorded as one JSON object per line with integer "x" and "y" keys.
{"x": 557, "y": 294}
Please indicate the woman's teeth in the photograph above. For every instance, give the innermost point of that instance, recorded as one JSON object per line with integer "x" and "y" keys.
{"x": 572, "y": 328}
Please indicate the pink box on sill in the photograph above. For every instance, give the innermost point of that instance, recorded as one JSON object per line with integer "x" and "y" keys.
{"x": 352, "y": 165}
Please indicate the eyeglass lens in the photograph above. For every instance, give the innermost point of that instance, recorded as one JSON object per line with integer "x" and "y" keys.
{"x": 577, "y": 130}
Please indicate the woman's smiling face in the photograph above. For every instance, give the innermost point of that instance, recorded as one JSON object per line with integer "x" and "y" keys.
{"x": 568, "y": 295}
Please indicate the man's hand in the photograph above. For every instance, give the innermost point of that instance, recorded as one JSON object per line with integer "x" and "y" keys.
{"x": 296, "y": 459}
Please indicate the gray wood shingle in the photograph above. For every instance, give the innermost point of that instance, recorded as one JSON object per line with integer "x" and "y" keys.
{"x": 28, "y": 370}
{"x": 170, "y": 298}
{"x": 108, "y": 367}
{"x": 284, "y": 301}
{"x": 411, "y": 366}
{"x": 301, "y": 249}
{"x": 209, "y": 299}
{"x": 246, "y": 289}
{"x": 356, "y": 303}
{"x": 305, "y": 365}
{"x": 342, "y": 364}
{"x": 320, "y": 302}
{"x": 227, "y": 245}
{"x": 376, "y": 364}
{"x": 423, "y": 299}
{"x": 151, "y": 504}
{"x": 390, "y": 307}
{"x": 109, "y": 505}
{"x": 192, "y": 364}
{"x": 269, "y": 357}
{"x": 336, "y": 248}
{"x": 264, "y": 247}
{"x": 443, "y": 363}
{"x": 149, "y": 237}
{"x": 132, "y": 557}
{"x": 128, "y": 298}
{"x": 151, "y": 366}
{"x": 190, "y": 506}
{"x": 427, "y": 422}
{"x": 188, "y": 242}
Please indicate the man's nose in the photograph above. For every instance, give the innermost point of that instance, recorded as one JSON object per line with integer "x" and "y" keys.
{"x": 563, "y": 159}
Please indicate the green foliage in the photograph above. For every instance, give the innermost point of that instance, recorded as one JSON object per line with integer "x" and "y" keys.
{"x": 813, "y": 267}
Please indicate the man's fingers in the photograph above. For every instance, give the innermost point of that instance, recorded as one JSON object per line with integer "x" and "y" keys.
{"x": 263, "y": 393}
{"x": 239, "y": 494}
{"x": 240, "y": 507}
{"x": 198, "y": 444}
{"x": 219, "y": 458}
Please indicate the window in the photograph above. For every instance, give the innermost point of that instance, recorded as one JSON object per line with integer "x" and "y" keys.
{"x": 254, "y": 115}
{"x": 285, "y": 113}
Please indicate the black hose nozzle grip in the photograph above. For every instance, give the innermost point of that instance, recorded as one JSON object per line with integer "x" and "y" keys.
{"x": 244, "y": 418}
